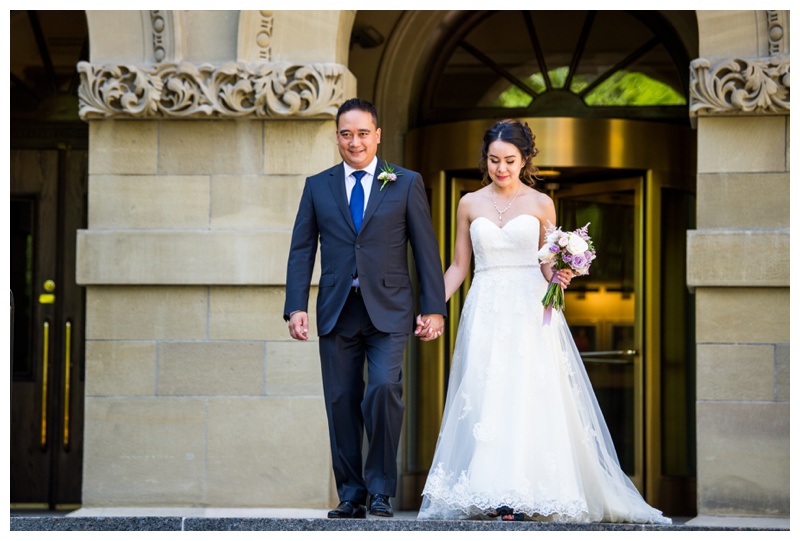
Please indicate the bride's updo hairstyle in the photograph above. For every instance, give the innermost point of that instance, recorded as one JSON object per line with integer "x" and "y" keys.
{"x": 519, "y": 135}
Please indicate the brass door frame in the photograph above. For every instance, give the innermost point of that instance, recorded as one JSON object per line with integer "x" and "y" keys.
{"x": 457, "y": 185}
{"x": 664, "y": 155}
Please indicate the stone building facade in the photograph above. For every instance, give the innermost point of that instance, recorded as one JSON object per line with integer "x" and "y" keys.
{"x": 742, "y": 314}
{"x": 202, "y": 126}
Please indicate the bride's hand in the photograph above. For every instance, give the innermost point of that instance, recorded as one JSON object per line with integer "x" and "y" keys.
{"x": 422, "y": 325}
{"x": 563, "y": 277}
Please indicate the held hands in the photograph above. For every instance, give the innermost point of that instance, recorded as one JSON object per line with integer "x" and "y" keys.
{"x": 298, "y": 325}
{"x": 429, "y": 327}
{"x": 563, "y": 277}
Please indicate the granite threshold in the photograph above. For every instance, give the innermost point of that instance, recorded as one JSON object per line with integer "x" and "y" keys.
{"x": 275, "y": 519}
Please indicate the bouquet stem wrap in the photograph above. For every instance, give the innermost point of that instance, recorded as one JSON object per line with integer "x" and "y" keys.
{"x": 553, "y": 298}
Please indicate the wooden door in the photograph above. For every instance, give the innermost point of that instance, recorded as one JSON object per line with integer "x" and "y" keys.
{"x": 48, "y": 205}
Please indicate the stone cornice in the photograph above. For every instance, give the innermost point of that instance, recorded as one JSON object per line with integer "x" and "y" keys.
{"x": 736, "y": 86}
{"x": 234, "y": 90}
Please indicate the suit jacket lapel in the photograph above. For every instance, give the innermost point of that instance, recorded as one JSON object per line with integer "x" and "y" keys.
{"x": 339, "y": 193}
{"x": 375, "y": 196}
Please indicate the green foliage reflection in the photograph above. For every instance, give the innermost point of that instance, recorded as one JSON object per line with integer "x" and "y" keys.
{"x": 623, "y": 88}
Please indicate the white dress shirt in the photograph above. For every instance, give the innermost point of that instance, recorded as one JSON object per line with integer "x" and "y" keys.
{"x": 366, "y": 180}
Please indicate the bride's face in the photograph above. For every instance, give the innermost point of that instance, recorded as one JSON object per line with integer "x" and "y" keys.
{"x": 504, "y": 163}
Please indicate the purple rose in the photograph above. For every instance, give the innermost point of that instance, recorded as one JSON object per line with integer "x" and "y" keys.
{"x": 566, "y": 257}
{"x": 554, "y": 248}
{"x": 578, "y": 261}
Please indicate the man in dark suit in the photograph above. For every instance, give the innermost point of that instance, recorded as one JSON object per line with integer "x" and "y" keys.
{"x": 365, "y": 304}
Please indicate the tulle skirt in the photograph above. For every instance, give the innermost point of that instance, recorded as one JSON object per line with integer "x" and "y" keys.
{"x": 521, "y": 425}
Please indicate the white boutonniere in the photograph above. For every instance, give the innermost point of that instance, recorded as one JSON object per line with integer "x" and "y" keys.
{"x": 388, "y": 174}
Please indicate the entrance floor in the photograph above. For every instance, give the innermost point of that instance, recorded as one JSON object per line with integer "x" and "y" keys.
{"x": 274, "y": 519}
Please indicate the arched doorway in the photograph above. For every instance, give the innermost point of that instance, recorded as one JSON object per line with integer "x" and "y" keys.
{"x": 605, "y": 95}
{"x": 49, "y": 173}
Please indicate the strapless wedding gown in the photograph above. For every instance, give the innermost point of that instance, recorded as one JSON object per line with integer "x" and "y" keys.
{"x": 521, "y": 424}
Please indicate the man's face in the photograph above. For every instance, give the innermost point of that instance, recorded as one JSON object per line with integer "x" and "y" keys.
{"x": 358, "y": 138}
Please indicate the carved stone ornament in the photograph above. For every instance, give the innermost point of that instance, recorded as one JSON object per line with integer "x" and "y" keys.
{"x": 233, "y": 90}
{"x": 264, "y": 36}
{"x": 159, "y": 25}
{"x": 775, "y": 33}
{"x": 737, "y": 86}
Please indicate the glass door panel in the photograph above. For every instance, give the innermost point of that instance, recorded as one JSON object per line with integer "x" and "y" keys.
{"x": 603, "y": 308}
{"x": 48, "y": 194}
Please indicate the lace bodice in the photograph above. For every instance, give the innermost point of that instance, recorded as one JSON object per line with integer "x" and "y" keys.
{"x": 514, "y": 245}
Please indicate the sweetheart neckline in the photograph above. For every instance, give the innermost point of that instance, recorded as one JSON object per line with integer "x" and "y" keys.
{"x": 507, "y": 223}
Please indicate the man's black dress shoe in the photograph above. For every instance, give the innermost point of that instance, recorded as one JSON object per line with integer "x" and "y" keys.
{"x": 380, "y": 506}
{"x": 348, "y": 509}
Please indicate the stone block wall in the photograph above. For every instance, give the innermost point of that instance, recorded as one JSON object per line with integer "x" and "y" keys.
{"x": 195, "y": 393}
{"x": 738, "y": 263}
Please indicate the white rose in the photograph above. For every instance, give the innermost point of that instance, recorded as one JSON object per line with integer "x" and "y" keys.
{"x": 576, "y": 245}
{"x": 563, "y": 240}
{"x": 545, "y": 255}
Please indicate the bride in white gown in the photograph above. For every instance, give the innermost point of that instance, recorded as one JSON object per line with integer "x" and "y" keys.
{"x": 522, "y": 435}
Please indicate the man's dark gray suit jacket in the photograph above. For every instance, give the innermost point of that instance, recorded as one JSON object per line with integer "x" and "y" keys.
{"x": 395, "y": 215}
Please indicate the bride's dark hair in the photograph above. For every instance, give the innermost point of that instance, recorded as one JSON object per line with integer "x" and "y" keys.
{"x": 519, "y": 135}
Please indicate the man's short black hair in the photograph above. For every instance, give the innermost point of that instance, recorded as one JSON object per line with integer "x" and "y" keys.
{"x": 357, "y": 104}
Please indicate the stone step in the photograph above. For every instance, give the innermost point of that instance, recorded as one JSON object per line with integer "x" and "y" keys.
{"x": 204, "y": 523}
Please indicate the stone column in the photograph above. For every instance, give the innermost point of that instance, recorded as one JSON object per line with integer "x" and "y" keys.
{"x": 198, "y": 151}
{"x": 738, "y": 263}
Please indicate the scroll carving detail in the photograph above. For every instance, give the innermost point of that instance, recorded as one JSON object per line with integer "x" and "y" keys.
{"x": 232, "y": 90}
{"x": 740, "y": 86}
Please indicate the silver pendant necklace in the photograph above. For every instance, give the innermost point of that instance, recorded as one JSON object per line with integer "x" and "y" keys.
{"x": 501, "y": 212}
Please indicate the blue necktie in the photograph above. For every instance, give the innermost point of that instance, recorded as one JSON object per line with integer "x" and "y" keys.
{"x": 357, "y": 200}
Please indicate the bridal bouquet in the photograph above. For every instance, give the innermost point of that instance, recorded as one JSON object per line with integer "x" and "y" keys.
{"x": 571, "y": 250}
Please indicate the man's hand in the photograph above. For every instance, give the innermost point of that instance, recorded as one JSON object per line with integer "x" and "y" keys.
{"x": 298, "y": 325}
{"x": 421, "y": 325}
{"x": 429, "y": 327}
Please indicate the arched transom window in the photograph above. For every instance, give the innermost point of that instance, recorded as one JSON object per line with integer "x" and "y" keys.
{"x": 559, "y": 63}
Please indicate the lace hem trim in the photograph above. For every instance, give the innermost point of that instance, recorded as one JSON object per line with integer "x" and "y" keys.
{"x": 446, "y": 498}
{"x": 547, "y": 510}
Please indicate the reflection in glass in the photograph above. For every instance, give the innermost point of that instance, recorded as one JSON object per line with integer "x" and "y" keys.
{"x": 612, "y": 230}
{"x": 623, "y": 88}
{"x": 563, "y": 63}
{"x": 585, "y": 337}
{"x": 612, "y": 382}
{"x": 626, "y": 88}
{"x": 513, "y": 97}
{"x": 600, "y": 309}
{"x": 21, "y": 244}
